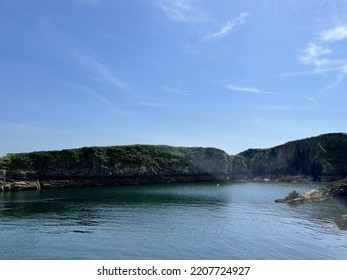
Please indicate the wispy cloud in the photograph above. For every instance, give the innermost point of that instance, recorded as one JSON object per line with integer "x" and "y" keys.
{"x": 176, "y": 90}
{"x": 101, "y": 98}
{"x": 95, "y": 94}
{"x": 249, "y": 90}
{"x": 335, "y": 83}
{"x": 319, "y": 53}
{"x": 279, "y": 108}
{"x": 318, "y": 71}
{"x": 313, "y": 54}
{"x": 100, "y": 72}
{"x": 227, "y": 28}
{"x": 153, "y": 104}
{"x": 311, "y": 99}
{"x": 321, "y": 56}
{"x": 335, "y": 34}
{"x": 181, "y": 10}
{"x": 288, "y": 108}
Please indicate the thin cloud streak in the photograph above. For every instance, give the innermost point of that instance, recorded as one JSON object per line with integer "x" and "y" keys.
{"x": 153, "y": 105}
{"x": 95, "y": 94}
{"x": 314, "y": 72}
{"x": 101, "y": 98}
{"x": 101, "y": 72}
{"x": 335, "y": 83}
{"x": 249, "y": 90}
{"x": 175, "y": 90}
{"x": 227, "y": 27}
{"x": 181, "y": 10}
{"x": 279, "y": 108}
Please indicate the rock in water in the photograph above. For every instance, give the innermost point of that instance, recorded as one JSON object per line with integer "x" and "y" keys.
{"x": 316, "y": 195}
{"x": 290, "y": 198}
{"x": 313, "y": 195}
{"x": 338, "y": 189}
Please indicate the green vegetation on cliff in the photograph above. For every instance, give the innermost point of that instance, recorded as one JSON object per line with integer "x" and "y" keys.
{"x": 128, "y": 160}
{"x": 321, "y": 158}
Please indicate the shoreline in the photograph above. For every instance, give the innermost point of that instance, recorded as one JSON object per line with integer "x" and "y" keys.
{"x": 22, "y": 185}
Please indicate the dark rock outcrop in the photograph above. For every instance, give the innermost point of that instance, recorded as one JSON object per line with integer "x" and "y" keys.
{"x": 313, "y": 195}
{"x": 239, "y": 169}
{"x": 290, "y": 198}
{"x": 336, "y": 189}
{"x": 322, "y": 158}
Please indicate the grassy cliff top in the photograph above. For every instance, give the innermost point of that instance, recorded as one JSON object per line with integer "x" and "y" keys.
{"x": 151, "y": 156}
{"x": 331, "y": 147}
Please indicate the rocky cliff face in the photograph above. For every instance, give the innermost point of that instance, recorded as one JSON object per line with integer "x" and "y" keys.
{"x": 135, "y": 164}
{"x": 321, "y": 158}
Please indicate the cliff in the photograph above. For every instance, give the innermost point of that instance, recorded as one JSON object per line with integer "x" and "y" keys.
{"x": 133, "y": 164}
{"x": 322, "y": 158}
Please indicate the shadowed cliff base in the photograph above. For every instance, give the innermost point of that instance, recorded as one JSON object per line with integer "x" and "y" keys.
{"x": 322, "y": 158}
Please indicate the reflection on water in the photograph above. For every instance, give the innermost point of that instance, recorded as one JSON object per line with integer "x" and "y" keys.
{"x": 89, "y": 200}
{"x": 180, "y": 221}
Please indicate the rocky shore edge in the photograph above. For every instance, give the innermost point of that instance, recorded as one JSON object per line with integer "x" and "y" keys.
{"x": 335, "y": 189}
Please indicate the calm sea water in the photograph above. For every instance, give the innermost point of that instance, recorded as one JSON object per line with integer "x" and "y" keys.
{"x": 183, "y": 221}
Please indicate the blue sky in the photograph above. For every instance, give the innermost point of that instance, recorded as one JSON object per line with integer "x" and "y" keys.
{"x": 231, "y": 74}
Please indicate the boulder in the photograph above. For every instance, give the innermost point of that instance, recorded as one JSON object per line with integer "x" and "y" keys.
{"x": 311, "y": 196}
{"x": 20, "y": 185}
{"x": 316, "y": 195}
{"x": 292, "y": 197}
{"x": 338, "y": 189}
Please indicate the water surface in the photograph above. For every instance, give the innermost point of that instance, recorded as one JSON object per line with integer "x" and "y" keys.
{"x": 179, "y": 221}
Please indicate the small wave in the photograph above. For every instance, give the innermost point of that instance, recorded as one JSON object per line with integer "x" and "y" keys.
{"x": 81, "y": 231}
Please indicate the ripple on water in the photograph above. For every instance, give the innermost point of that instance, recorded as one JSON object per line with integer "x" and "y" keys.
{"x": 187, "y": 221}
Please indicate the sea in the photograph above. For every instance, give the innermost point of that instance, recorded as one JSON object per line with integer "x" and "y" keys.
{"x": 188, "y": 221}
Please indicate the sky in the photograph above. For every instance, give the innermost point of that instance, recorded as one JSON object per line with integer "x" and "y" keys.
{"x": 230, "y": 74}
